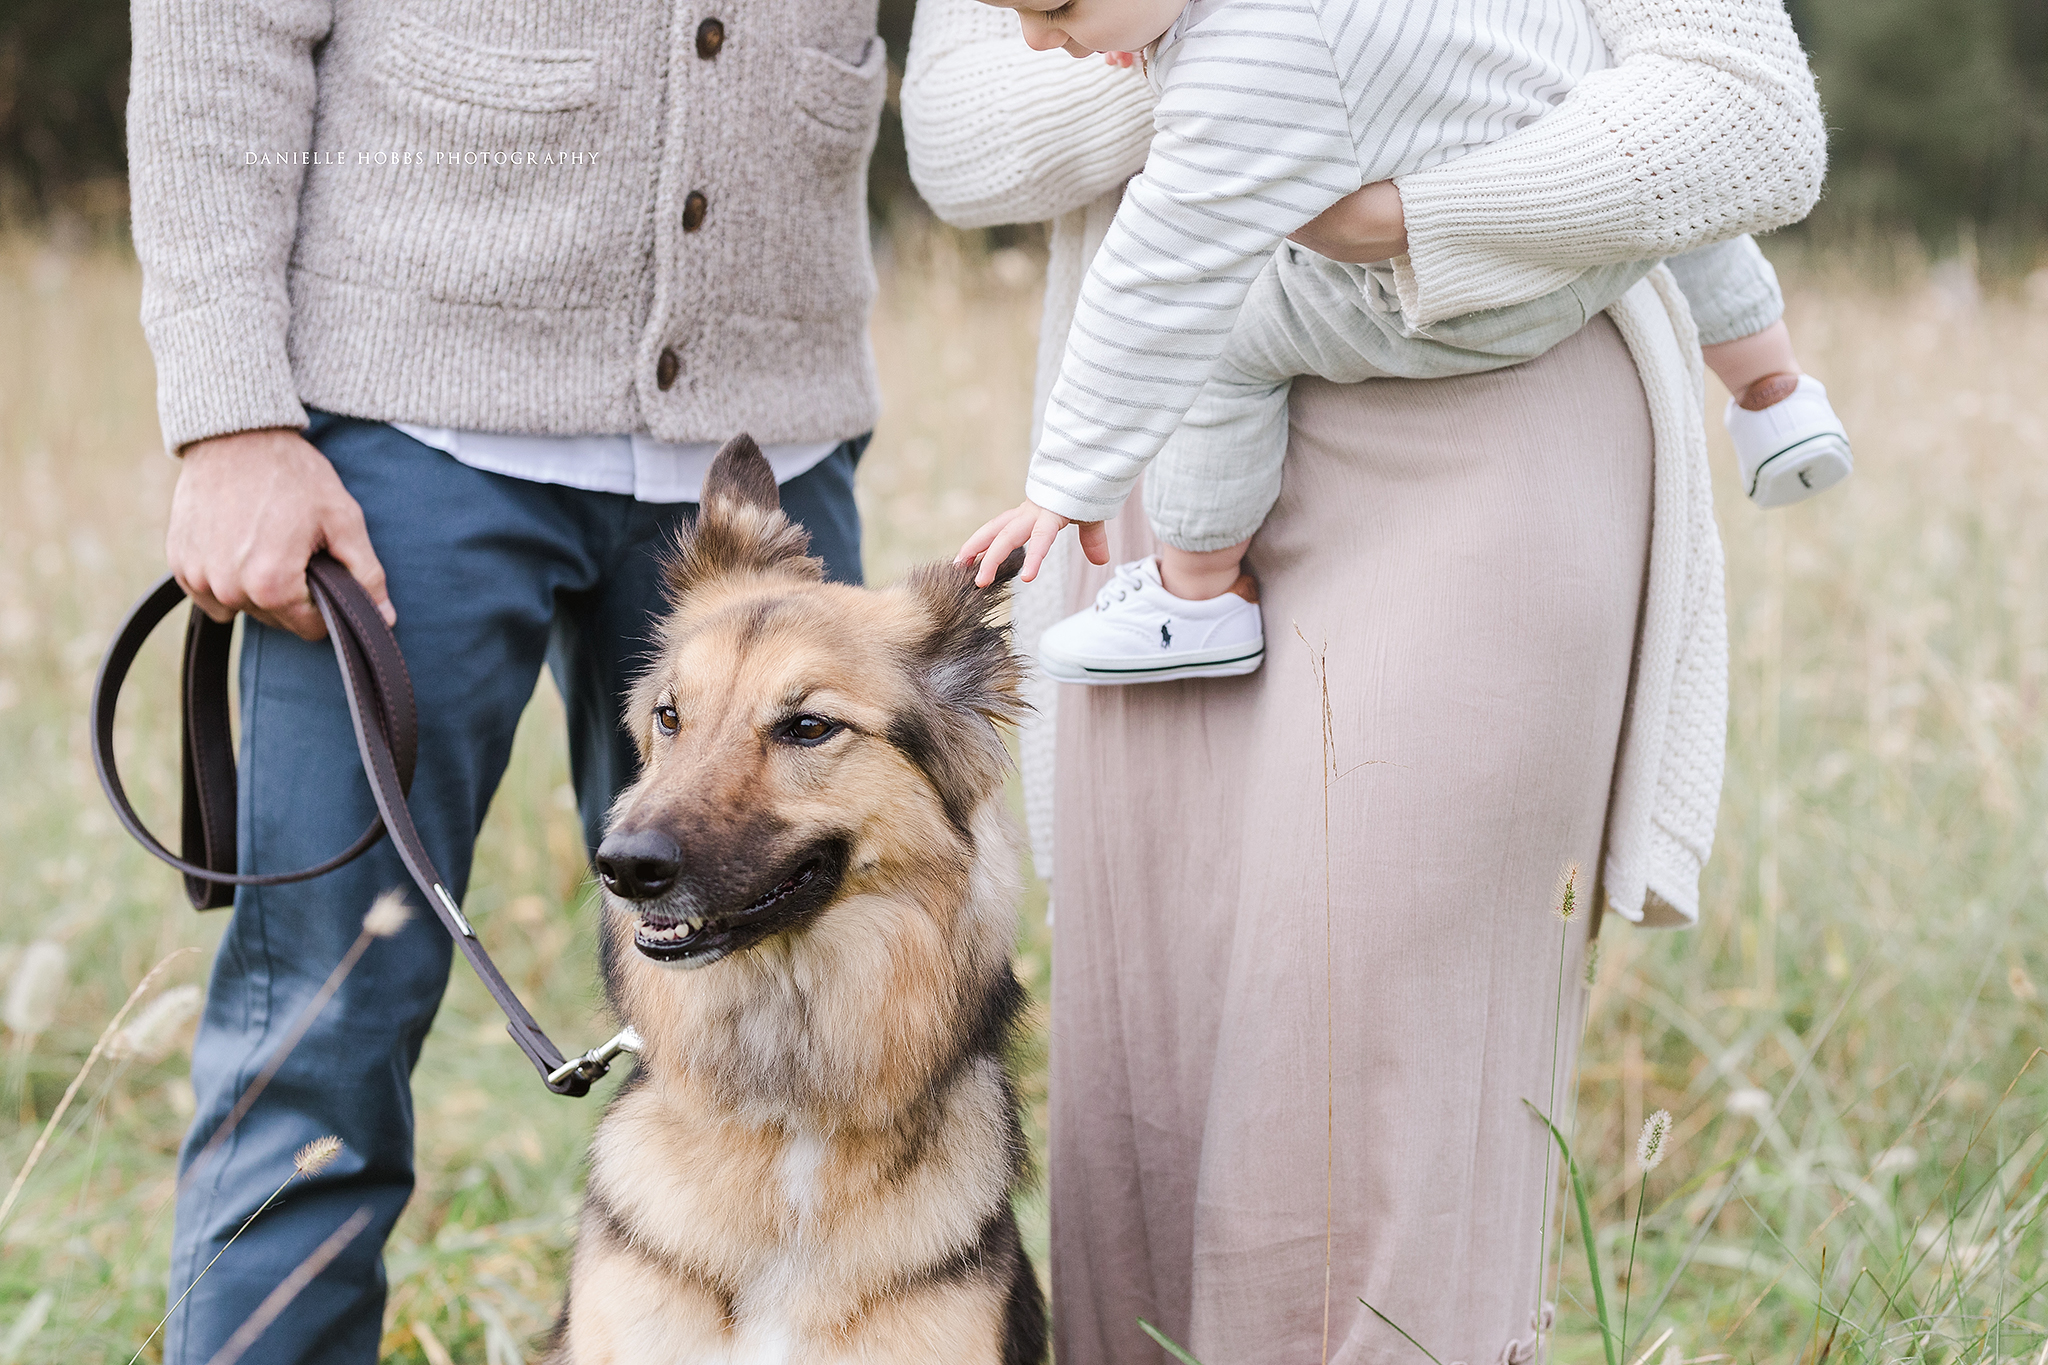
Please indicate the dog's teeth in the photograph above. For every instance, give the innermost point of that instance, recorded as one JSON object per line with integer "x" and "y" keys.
{"x": 670, "y": 933}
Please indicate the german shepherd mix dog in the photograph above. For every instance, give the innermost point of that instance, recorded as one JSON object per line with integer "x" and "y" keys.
{"x": 809, "y": 902}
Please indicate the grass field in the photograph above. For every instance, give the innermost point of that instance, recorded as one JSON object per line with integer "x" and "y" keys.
{"x": 1844, "y": 1044}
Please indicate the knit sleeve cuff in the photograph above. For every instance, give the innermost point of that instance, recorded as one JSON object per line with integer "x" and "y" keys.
{"x": 222, "y": 368}
{"x": 1459, "y": 224}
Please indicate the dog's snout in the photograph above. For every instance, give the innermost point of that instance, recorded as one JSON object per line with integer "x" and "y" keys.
{"x": 638, "y": 864}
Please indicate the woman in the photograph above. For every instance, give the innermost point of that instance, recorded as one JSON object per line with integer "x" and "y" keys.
{"x": 1306, "y": 970}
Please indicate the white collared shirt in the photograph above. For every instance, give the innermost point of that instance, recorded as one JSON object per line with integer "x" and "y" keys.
{"x": 647, "y": 469}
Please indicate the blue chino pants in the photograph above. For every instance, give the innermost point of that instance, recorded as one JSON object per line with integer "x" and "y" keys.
{"x": 491, "y": 576}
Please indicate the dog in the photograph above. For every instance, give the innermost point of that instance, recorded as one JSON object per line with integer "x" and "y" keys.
{"x": 808, "y": 907}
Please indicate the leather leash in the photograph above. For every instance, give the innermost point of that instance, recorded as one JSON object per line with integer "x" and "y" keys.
{"x": 381, "y": 706}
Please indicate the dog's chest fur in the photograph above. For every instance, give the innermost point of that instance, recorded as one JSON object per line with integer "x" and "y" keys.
{"x": 737, "y": 1205}
{"x": 788, "y": 1234}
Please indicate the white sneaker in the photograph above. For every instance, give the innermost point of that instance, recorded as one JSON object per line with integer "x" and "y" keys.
{"x": 1792, "y": 449}
{"x": 1138, "y": 632}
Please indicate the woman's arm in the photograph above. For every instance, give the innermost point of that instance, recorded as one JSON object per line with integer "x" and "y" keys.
{"x": 1706, "y": 127}
{"x": 998, "y": 133}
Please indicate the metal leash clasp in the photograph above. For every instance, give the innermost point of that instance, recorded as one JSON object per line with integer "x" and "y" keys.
{"x": 596, "y": 1062}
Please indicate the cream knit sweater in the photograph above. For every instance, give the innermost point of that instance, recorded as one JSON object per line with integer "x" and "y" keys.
{"x": 542, "y": 219}
{"x": 1000, "y": 134}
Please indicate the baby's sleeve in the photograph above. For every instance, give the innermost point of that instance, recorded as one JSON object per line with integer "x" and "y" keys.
{"x": 1251, "y": 140}
{"x": 1733, "y": 290}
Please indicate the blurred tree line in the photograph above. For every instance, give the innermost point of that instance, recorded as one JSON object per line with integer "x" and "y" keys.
{"x": 1938, "y": 109}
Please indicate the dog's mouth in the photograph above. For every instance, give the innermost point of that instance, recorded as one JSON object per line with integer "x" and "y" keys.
{"x": 669, "y": 935}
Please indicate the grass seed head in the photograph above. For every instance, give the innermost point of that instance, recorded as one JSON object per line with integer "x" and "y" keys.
{"x": 1568, "y": 893}
{"x": 36, "y": 989}
{"x": 316, "y": 1155}
{"x": 388, "y": 914}
{"x": 1593, "y": 963}
{"x": 1749, "y": 1103}
{"x": 153, "y": 1032}
{"x": 1656, "y": 1135}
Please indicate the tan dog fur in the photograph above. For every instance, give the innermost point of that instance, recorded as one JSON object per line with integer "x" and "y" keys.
{"x": 813, "y": 1160}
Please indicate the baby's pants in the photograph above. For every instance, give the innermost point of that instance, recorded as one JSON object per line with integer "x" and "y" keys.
{"x": 1219, "y": 473}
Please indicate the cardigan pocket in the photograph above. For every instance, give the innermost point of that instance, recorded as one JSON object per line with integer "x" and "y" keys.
{"x": 841, "y": 101}
{"x": 423, "y": 60}
{"x": 832, "y": 111}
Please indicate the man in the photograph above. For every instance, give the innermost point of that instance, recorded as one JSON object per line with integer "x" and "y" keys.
{"x": 465, "y": 295}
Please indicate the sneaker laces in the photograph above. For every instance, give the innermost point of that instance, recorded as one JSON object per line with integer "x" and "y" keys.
{"x": 1127, "y": 579}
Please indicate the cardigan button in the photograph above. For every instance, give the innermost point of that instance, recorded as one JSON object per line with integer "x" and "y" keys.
{"x": 710, "y": 38}
{"x": 665, "y": 369}
{"x": 694, "y": 207}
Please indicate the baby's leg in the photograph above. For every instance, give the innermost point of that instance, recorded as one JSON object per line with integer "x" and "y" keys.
{"x": 1741, "y": 316}
{"x": 1215, "y": 480}
{"x": 1219, "y": 473}
{"x": 1198, "y": 575}
{"x": 1758, "y": 370}
{"x": 1732, "y": 288}
{"x": 1789, "y": 444}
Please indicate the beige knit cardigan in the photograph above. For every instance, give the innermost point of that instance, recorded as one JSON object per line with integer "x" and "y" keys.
{"x": 1706, "y": 127}
{"x": 549, "y": 219}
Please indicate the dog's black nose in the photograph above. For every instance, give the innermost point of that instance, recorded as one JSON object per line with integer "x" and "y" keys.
{"x": 638, "y": 864}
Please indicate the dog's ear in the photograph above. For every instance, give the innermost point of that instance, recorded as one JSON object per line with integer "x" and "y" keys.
{"x": 965, "y": 657}
{"x": 740, "y": 472}
{"x": 741, "y": 527}
{"x": 969, "y": 681}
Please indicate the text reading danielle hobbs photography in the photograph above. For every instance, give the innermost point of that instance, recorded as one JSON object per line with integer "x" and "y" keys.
{"x": 499, "y": 156}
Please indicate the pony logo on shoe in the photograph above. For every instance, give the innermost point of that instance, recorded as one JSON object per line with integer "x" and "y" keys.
{"x": 1165, "y": 635}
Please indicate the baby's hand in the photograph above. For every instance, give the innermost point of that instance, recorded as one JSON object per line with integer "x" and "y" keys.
{"x": 1033, "y": 527}
{"x": 1126, "y": 60}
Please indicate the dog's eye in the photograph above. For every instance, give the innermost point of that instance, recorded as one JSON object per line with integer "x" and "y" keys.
{"x": 808, "y": 730}
{"x": 665, "y": 719}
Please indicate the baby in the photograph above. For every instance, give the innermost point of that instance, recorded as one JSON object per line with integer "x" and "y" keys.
{"x": 1197, "y": 312}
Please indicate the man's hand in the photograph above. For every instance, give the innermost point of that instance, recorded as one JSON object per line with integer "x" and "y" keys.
{"x": 1365, "y": 226}
{"x": 250, "y": 510}
{"x": 1034, "y": 528}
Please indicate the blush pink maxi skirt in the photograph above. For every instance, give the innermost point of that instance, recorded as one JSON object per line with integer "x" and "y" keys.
{"x": 1468, "y": 555}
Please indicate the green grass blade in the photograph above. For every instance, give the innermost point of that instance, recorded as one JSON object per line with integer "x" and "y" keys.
{"x": 1172, "y": 1347}
{"x": 1571, "y": 1167}
{"x": 1403, "y": 1331}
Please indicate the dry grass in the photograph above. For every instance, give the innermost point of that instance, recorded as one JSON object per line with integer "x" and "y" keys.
{"x": 1882, "y": 840}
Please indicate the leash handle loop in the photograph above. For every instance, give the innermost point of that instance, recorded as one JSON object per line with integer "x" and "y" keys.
{"x": 386, "y": 721}
{"x": 207, "y": 754}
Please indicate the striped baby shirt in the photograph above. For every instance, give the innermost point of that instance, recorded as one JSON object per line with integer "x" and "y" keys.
{"x": 1268, "y": 112}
